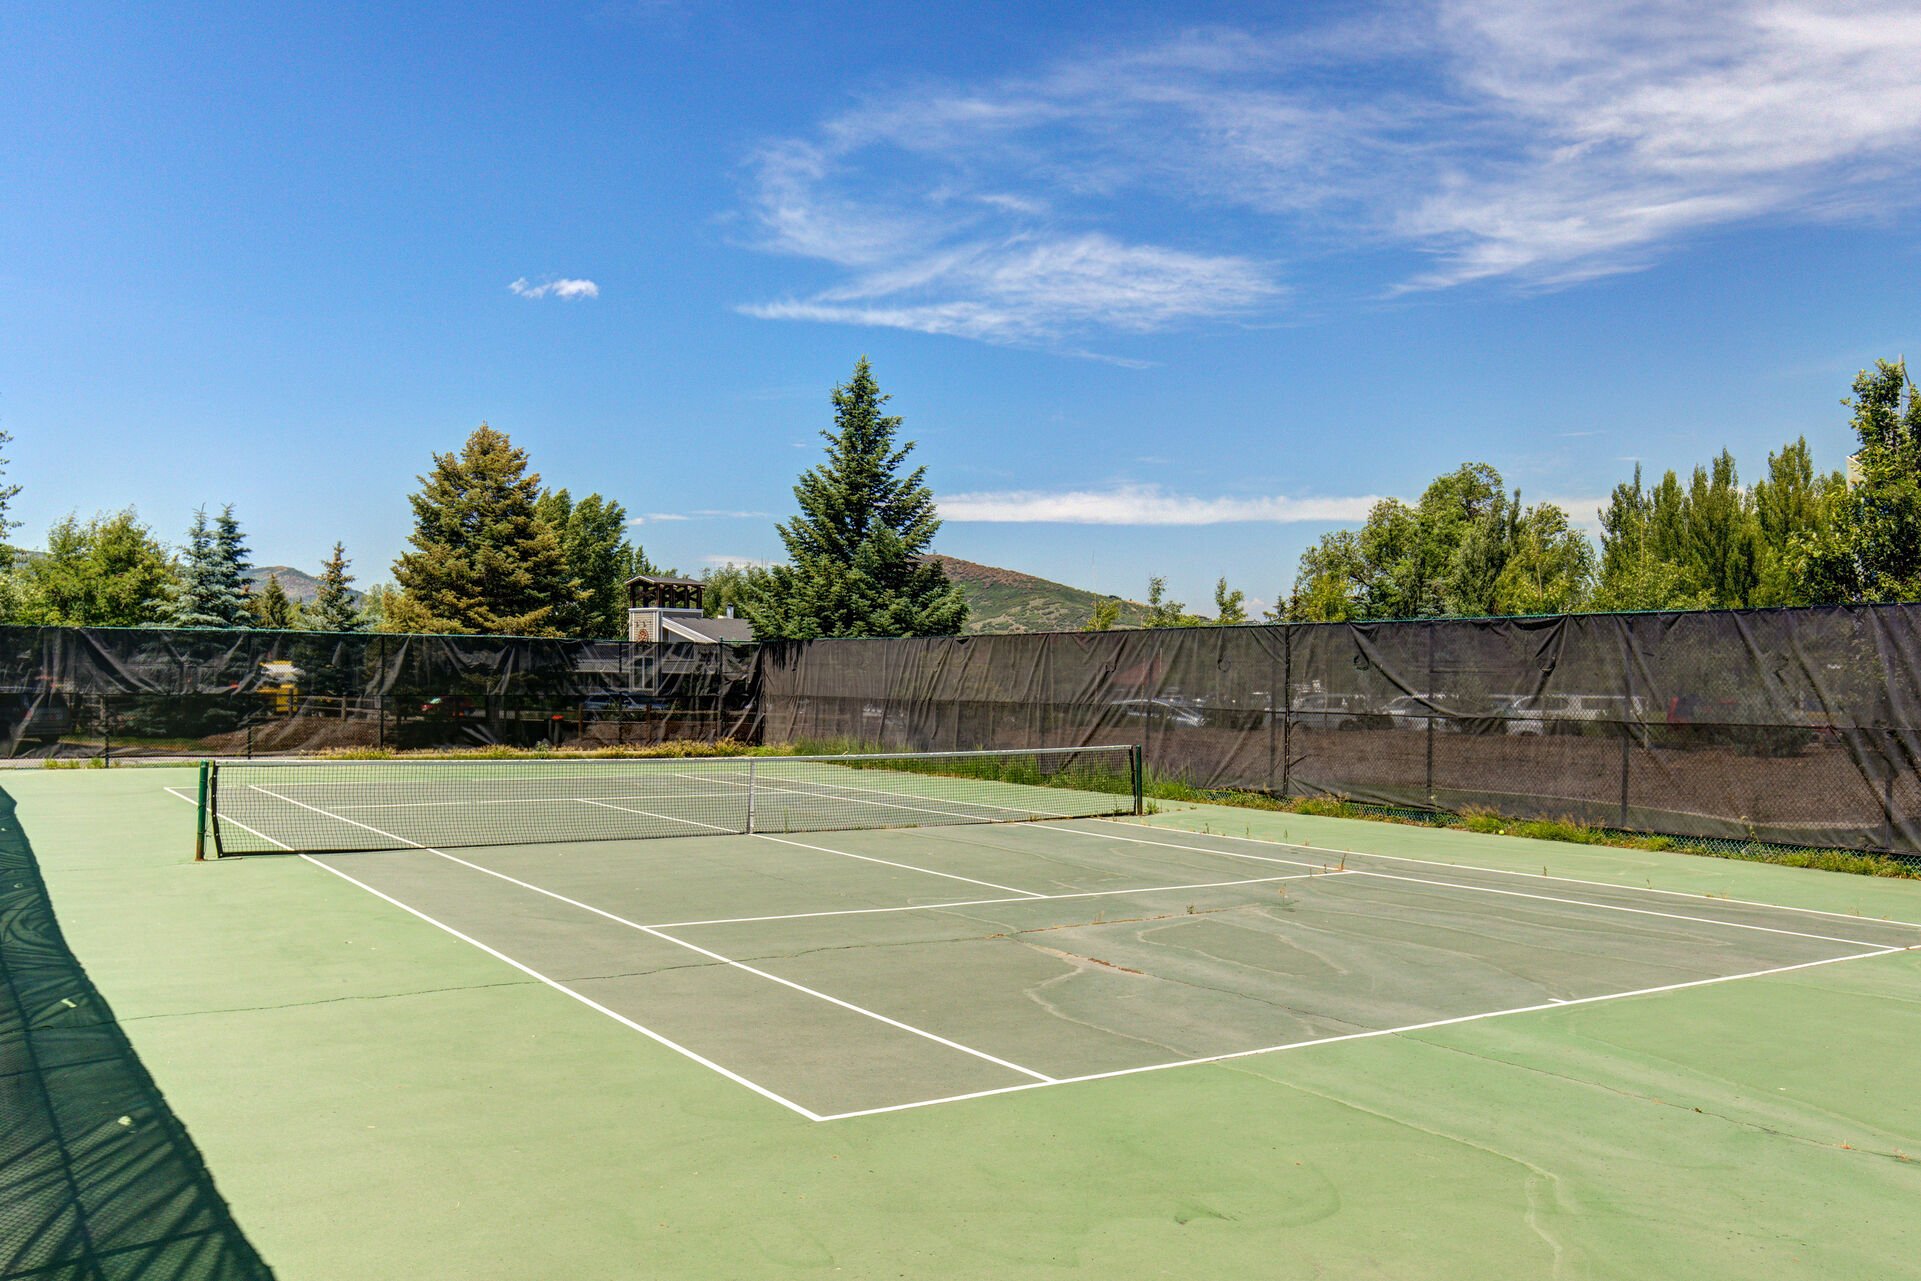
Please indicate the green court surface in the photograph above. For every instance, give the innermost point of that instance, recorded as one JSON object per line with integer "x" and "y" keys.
{"x": 1208, "y": 1043}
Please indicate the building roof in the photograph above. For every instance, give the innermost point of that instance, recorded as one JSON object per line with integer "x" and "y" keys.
{"x": 653, "y": 580}
{"x": 733, "y": 631}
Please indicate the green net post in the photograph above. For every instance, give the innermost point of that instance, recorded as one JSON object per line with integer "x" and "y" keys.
{"x": 1140, "y": 806}
{"x": 200, "y": 827}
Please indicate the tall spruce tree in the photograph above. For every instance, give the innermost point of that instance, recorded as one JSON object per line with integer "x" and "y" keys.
{"x": 229, "y": 571}
{"x": 855, "y": 550}
{"x": 197, "y": 592}
{"x": 333, "y": 608}
{"x": 483, "y": 561}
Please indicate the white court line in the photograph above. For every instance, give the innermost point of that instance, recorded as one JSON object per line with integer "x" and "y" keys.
{"x": 555, "y": 984}
{"x": 1611, "y": 907}
{"x": 692, "y": 822}
{"x": 587, "y": 1001}
{"x": 1362, "y": 1036}
{"x": 691, "y": 947}
{"x": 1485, "y": 889}
{"x": 868, "y": 858}
{"x": 986, "y": 805}
{"x": 865, "y": 858}
{"x": 761, "y": 785}
{"x": 1552, "y": 1004}
{"x": 984, "y": 902}
{"x": 1498, "y": 871}
{"x": 524, "y": 800}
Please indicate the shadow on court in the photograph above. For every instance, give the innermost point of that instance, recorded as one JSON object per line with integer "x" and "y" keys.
{"x": 98, "y": 1179}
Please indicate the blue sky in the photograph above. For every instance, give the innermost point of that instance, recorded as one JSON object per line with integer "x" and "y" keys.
{"x": 1157, "y": 288}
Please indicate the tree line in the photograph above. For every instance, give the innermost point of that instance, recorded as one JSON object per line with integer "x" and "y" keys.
{"x": 1468, "y": 547}
{"x": 495, "y": 552}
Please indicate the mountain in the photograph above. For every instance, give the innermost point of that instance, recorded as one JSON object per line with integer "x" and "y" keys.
{"x": 298, "y": 584}
{"x": 1006, "y": 600}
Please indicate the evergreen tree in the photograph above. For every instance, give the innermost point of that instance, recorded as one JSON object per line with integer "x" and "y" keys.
{"x": 197, "y": 592}
{"x": 593, "y": 542}
{"x": 227, "y": 597}
{"x": 333, "y": 607}
{"x": 856, "y": 549}
{"x": 272, "y": 608}
{"x": 483, "y": 560}
{"x": 1869, "y": 549}
{"x": 108, "y": 572}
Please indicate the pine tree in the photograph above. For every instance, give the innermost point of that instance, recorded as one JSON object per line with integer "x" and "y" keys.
{"x": 272, "y": 608}
{"x": 197, "y": 594}
{"x": 483, "y": 560}
{"x": 856, "y": 549}
{"x": 333, "y": 608}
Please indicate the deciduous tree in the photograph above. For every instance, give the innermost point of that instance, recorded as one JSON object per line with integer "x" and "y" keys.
{"x": 107, "y": 572}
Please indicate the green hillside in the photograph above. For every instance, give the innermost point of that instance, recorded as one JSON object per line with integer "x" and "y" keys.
{"x": 1004, "y": 600}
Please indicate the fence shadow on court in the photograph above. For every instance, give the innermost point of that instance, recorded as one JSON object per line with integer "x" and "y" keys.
{"x": 98, "y": 1178}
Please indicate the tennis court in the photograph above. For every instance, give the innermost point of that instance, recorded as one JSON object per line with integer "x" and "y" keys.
{"x": 900, "y": 1017}
{"x": 941, "y": 951}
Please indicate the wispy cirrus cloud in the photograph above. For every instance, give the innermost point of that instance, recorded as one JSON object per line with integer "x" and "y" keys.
{"x": 1146, "y": 505}
{"x": 704, "y": 513}
{"x": 555, "y": 287}
{"x": 1154, "y": 505}
{"x": 1183, "y": 181}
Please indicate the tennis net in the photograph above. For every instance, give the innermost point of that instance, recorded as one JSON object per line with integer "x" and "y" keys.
{"x": 251, "y": 807}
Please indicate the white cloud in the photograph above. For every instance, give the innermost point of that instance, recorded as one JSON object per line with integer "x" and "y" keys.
{"x": 1153, "y": 505}
{"x": 706, "y": 513}
{"x": 1140, "y": 190}
{"x": 1146, "y": 505}
{"x": 556, "y": 287}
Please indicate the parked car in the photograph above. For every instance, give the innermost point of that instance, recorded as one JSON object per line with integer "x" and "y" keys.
{"x": 1337, "y": 711}
{"x": 1160, "y": 711}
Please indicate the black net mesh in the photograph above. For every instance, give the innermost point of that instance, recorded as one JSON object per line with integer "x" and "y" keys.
{"x": 268, "y": 806}
{"x": 1789, "y": 726}
{"x": 82, "y": 692}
